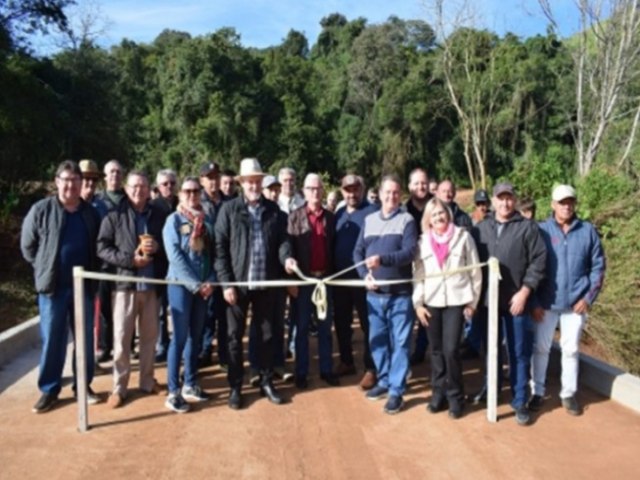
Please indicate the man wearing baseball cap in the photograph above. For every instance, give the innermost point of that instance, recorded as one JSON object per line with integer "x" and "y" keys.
{"x": 349, "y": 222}
{"x": 215, "y": 325}
{"x": 482, "y": 202}
{"x": 575, "y": 271}
{"x": 516, "y": 242}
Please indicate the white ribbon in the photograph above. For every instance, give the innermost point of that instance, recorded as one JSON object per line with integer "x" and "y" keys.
{"x": 318, "y": 296}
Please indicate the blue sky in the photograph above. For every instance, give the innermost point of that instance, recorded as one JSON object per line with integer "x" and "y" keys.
{"x": 263, "y": 23}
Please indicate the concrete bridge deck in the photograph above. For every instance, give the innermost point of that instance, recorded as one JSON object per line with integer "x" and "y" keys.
{"x": 321, "y": 433}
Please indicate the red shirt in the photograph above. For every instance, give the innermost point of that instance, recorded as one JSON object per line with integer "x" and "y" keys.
{"x": 318, "y": 240}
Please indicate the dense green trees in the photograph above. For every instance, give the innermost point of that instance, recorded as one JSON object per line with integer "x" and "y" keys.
{"x": 365, "y": 98}
{"x": 465, "y": 104}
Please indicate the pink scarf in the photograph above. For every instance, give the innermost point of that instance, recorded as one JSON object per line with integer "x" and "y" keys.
{"x": 440, "y": 244}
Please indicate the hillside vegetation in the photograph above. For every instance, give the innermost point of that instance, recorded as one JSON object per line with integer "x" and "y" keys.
{"x": 368, "y": 98}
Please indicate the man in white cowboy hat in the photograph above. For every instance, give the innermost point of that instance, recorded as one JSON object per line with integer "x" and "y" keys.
{"x": 252, "y": 245}
{"x": 575, "y": 271}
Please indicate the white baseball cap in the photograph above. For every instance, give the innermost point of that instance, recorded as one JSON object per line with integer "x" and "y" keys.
{"x": 562, "y": 192}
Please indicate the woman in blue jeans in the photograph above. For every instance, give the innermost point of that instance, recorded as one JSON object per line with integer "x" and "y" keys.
{"x": 188, "y": 240}
{"x": 442, "y": 302}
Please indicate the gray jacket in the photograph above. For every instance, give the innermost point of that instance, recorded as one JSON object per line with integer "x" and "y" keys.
{"x": 40, "y": 239}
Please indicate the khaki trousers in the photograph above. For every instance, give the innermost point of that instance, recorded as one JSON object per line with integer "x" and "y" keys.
{"x": 129, "y": 306}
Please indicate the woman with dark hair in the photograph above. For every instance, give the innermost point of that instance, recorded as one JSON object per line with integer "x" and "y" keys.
{"x": 189, "y": 243}
{"x": 442, "y": 300}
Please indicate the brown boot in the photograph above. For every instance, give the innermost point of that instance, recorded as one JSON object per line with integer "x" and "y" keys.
{"x": 368, "y": 381}
{"x": 115, "y": 400}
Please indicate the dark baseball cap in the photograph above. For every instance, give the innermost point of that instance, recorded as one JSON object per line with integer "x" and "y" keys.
{"x": 210, "y": 168}
{"x": 350, "y": 181}
{"x": 481, "y": 196}
{"x": 504, "y": 187}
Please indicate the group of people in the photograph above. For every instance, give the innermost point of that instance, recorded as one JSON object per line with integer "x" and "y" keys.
{"x": 218, "y": 252}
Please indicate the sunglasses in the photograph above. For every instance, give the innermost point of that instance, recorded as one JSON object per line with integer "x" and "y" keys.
{"x": 191, "y": 191}
{"x": 167, "y": 183}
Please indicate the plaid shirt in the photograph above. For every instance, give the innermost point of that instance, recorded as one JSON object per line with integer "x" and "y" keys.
{"x": 258, "y": 259}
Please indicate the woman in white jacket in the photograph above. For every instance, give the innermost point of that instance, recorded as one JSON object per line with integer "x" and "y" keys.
{"x": 442, "y": 300}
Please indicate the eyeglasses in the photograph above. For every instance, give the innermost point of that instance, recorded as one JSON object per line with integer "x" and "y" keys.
{"x": 167, "y": 183}
{"x": 191, "y": 191}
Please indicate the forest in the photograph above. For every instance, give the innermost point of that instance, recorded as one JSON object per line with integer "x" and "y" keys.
{"x": 462, "y": 102}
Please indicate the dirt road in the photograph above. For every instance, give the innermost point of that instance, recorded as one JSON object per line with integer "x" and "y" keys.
{"x": 321, "y": 433}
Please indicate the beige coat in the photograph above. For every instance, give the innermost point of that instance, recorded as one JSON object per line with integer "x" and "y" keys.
{"x": 450, "y": 290}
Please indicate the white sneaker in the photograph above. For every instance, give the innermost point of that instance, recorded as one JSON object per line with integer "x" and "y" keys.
{"x": 194, "y": 393}
{"x": 176, "y": 403}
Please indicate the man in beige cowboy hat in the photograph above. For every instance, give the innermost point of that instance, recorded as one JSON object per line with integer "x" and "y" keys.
{"x": 251, "y": 246}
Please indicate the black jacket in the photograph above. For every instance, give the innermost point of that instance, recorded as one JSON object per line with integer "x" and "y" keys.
{"x": 117, "y": 241}
{"x": 460, "y": 217}
{"x": 233, "y": 240}
{"x": 40, "y": 239}
{"x": 520, "y": 250}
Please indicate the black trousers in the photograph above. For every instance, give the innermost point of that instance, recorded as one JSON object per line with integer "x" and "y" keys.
{"x": 105, "y": 332}
{"x": 445, "y": 331}
{"x": 345, "y": 299}
{"x": 262, "y": 318}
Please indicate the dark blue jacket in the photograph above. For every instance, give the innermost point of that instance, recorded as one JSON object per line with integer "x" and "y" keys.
{"x": 348, "y": 226}
{"x": 575, "y": 265}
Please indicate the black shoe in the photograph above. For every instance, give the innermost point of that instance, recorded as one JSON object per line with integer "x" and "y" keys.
{"x": 268, "y": 390}
{"x": 523, "y": 417}
{"x": 437, "y": 404}
{"x": 330, "y": 379}
{"x": 393, "y": 405}
{"x": 416, "y": 358}
{"x": 480, "y": 397}
{"x": 302, "y": 383}
{"x": 105, "y": 356}
{"x": 572, "y": 406}
{"x": 535, "y": 403}
{"x": 235, "y": 399}
{"x": 45, "y": 403}
{"x": 456, "y": 409}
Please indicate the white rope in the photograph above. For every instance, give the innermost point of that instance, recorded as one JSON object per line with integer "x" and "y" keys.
{"x": 318, "y": 296}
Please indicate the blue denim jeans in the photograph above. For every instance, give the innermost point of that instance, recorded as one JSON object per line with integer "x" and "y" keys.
{"x": 390, "y": 322}
{"x": 305, "y": 309}
{"x": 187, "y": 312}
{"x": 56, "y": 318}
{"x": 519, "y": 334}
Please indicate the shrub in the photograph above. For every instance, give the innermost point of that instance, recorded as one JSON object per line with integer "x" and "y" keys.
{"x": 613, "y": 323}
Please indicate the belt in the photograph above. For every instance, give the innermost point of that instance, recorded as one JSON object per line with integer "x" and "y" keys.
{"x": 317, "y": 273}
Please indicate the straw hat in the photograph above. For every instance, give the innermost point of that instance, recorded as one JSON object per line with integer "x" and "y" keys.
{"x": 89, "y": 169}
{"x": 250, "y": 167}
